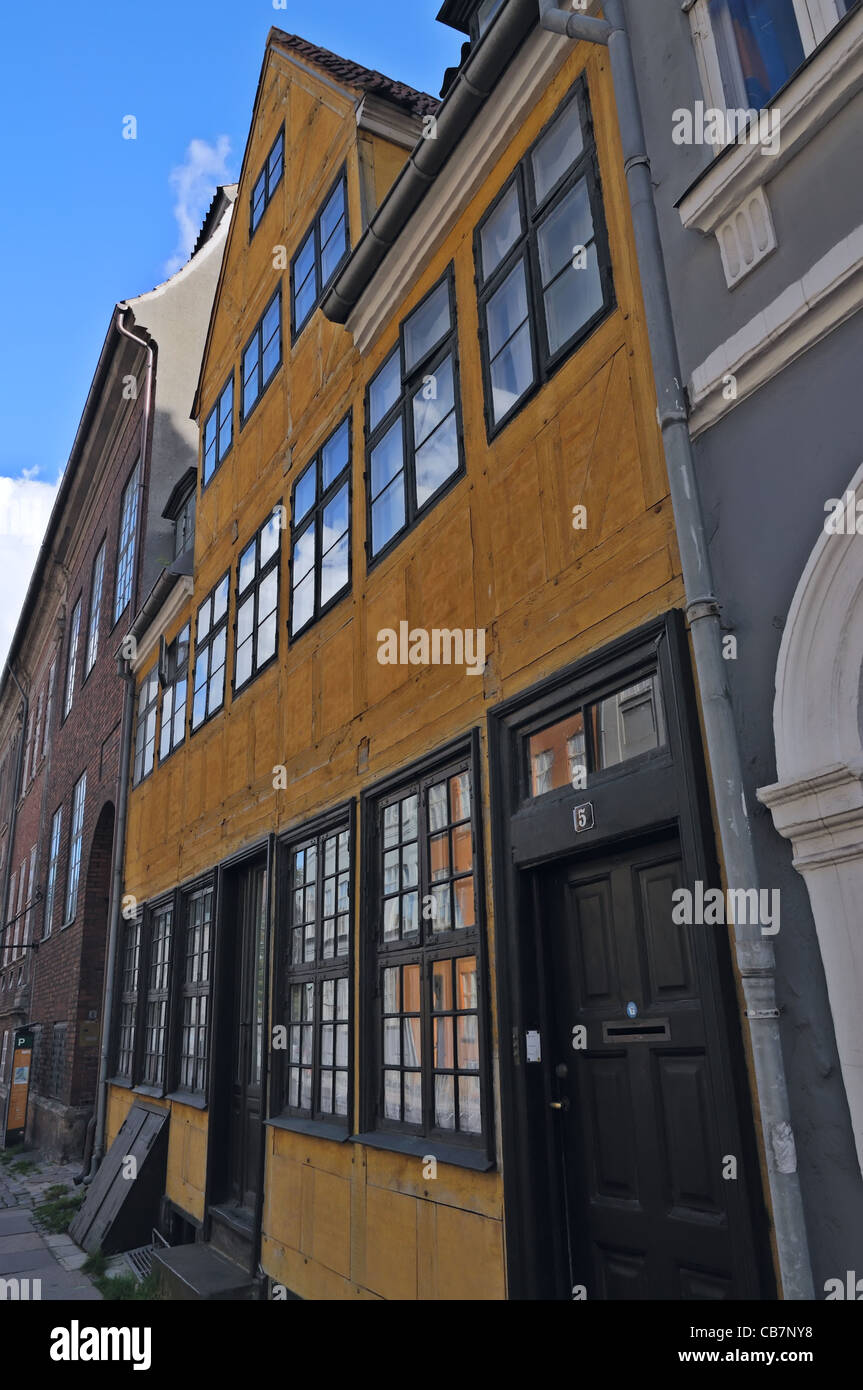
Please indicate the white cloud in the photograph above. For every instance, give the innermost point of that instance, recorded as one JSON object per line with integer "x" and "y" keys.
{"x": 25, "y": 506}
{"x": 194, "y": 182}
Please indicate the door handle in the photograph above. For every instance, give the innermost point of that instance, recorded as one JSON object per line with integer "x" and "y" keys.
{"x": 558, "y": 1105}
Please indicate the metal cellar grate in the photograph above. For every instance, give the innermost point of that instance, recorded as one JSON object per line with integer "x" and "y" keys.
{"x": 140, "y": 1261}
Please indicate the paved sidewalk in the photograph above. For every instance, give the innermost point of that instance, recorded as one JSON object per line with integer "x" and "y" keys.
{"x": 28, "y": 1253}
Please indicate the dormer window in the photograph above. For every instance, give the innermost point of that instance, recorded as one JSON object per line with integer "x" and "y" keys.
{"x": 180, "y": 511}
{"x": 487, "y": 11}
{"x": 320, "y": 254}
{"x": 267, "y": 181}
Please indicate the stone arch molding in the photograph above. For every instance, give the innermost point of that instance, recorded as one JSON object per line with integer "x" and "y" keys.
{"x": 817, "y": 801}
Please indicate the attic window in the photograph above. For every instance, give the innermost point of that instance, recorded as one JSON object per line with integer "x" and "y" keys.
{"x": 267, "y": 181}
{"x": 180, "y": 510}
{"x": 321, "y": 253}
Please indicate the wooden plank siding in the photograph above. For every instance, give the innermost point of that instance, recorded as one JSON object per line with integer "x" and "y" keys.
{"x": 498, "y": 552}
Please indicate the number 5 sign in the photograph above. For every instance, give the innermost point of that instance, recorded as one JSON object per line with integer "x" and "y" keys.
{"x": 583, "y": 816}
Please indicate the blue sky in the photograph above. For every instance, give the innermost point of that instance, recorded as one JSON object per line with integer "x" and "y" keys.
{"x": 90, "y": 218}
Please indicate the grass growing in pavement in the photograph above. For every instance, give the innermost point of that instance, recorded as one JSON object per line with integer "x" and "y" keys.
{"x": 24, "y": 1165}
{"x": 95, "y": 1264}
{"x": 56, "y": 1215}
{"x": 8, "y": 1156}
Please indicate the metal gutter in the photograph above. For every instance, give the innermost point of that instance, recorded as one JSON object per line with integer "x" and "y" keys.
{"x": 755, "y": 955}
{"x": 476, "y": 81}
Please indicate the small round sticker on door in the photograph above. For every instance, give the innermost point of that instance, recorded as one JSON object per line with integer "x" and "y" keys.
{"x": 632, "y": 1009}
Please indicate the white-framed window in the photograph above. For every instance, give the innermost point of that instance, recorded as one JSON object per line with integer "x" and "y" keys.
{"x": 748, "y": 49}
{"x": 75, "y": 840}
{"x": 53, "y": 861}
{"x": 126, "y": 544}
{"x": 72, "y": 657}
{"x": 28, "y": 917}
{"x": 95, "y": 610}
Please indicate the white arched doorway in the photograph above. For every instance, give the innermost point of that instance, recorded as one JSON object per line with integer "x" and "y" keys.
{"x": 817, "y": 802}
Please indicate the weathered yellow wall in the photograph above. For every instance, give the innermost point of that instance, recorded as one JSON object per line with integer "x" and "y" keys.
{"x": 498, "y": 552}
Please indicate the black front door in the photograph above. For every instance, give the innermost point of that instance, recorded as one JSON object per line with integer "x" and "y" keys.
{"x": 247, "y": 1036}
{"x": 647, "y": 1141}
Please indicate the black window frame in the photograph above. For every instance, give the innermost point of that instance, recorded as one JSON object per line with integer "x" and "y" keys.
{"x": 171, "y": 673}
{"x": 269, "y": 188}
{"x": 314, "y": 516}
{"x": 476, "y": 1151}
{"x": 143, "y": 1082}
{"x": 185, "y": 989}
{"x": 534, "y": 214}
{"x": 261, "y": 573}
{"x": 220, "y": 422}
{"x": 401, "y": 408}
{"x": 141, "y": 714}
{"x": 203, "y": 648}
{"x": 128, "y": 1007}
{"x": 258, "y": 332}
{"x": 313, "y": 229}
{"x": 338, "y": 820}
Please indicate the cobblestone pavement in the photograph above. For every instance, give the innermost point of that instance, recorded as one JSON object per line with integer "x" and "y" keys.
{"x": 28, "y": 1253}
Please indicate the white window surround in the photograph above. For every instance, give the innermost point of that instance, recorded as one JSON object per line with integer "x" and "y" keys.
{"x": 826, "y": 83}
{"x": 806, "y": 311}
{"x": 817, "y": 801}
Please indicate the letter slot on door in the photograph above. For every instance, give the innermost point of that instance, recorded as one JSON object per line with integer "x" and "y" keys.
{"x": 645, "y": 1030}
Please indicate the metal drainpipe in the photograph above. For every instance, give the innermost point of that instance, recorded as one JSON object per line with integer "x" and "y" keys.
{"x": 755, "y": 956}
{"x": 13, "y": 814}
{"x": 118, "y": 848}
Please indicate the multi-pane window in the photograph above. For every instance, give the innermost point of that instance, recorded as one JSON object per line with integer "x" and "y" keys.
{"x": 37, "y": 733}
{"x": 257, "y": 602}
{"x": 263, "y": 353}
{"x": 267, "y": 181}
{"x": 194, "y": 1021}
{"x": 211, "y": 637}
{"x": 145, "y": 726}
{"x": 72, "y": 658}
{"x": 76, "y": 836}
{"x": 53, "y": 861}
{"x": 321, "y": 252}
{"x": 127, "y": 1022}
{"x": 95, "y": 609}
{"x": 126, "y": 544}
{"x": 316, "y": 944}
{"x": 542, "y": 263}
{"x": 184, "y": 525}
{"x": 426, "y": 958}
{"x": 28, "y": 918}
{"x": 623, "y": 724}
{"x": 158, "y": 995}
{"x": 413, "y": 419}
{"x": 320, "y": 531}
{"x": 219, "y": 430}
{"x": 175, "y": 677}
{"x": 49, "y": 710}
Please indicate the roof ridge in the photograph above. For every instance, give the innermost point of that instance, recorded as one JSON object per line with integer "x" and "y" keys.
{"x": 355, "y": 74}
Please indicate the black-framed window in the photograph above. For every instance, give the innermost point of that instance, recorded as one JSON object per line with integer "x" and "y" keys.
{"x": 542, "y": 262}
{"x": 257, "y": 602}
{"x": 72, "y": 658}
{"x": 184, "y": 524}
{"x": 127, "y": 1014}
{"x": 321, "y": 531}
{"x": 218, "y": 431}
{"x": 145, "y": 726}
{"x": 626, "y": 722}
{"x": 322, "y": 250}
{"x": 262, "y": 354}
{"x": 194, "y": 1049}
{"x": 158, "y": 999}
{"x": 315, "y": 950}
{"x": 53, "y": 868}
{"x": 76, "y": 836}
{"x": 126, "y": 544}
{"x": 413, "y": 419}
{"x": 175, "y": 685}
{"x": 95, "y": 609}
{"x": 211, "y": 639}
{"x": 267, "y": 182}
{"x": 425, "y": 952}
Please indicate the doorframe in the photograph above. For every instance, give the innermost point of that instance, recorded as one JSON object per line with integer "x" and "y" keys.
{"x": 532, "y": 1208}
{"x": 218, "y": 1105}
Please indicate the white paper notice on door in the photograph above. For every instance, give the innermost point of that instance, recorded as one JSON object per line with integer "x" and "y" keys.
{"x": 534, "y": 1052}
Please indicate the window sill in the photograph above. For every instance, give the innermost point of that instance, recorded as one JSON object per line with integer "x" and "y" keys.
{"x": 455, "y": 1154}
{"x": 319, "y": 1129}
{"x": 154, "y": 1092}
{"x": 807, "y": 102}
{"x": 197, "y": 1102}
{"x": 122, "y": 1082}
